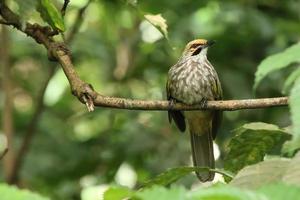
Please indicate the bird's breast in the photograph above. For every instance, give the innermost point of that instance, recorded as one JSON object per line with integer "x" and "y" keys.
{"x": 190, "y": 82}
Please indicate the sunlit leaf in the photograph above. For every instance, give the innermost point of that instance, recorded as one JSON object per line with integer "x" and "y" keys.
{"x": 252, "y": 142}
{"x": 280, "y": 191}
{"x": 292, "y": 175}
{"x": 51, "y": 15}
{"x": 161, "y": 193}
{"x": 294, "y": 103}
{"x": 13, "y": 193}
{"x": 276, "y": 62}
{"x": 266, "y": 172}
{"x": 159, "y": 22}
{"x": 290, "y": 80}
{"x": 224, "y": 192}
{"x": 117, "y": 193}
{"x": 56, "y": 88}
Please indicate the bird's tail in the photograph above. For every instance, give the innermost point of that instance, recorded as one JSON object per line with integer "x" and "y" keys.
{"x": 203, "y": 155}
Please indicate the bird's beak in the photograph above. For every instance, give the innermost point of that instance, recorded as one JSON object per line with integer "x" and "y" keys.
{"x": 210, "y": 43}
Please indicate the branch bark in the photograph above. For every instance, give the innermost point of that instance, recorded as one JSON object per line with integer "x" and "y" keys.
{"x": 226, "y": 105}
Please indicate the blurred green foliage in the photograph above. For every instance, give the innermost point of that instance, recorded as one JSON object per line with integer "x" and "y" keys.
{"x": 11, "y": 192}
{"x": 121, "y": 54}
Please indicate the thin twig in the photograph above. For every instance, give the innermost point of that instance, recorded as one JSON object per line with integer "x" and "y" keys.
{"x": 64, "y": 8}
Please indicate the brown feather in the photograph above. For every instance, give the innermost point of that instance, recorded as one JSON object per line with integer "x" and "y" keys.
{"x": 200, "y": 125}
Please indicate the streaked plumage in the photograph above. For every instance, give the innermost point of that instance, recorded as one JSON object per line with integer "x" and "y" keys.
{"x": 193, "y": 80}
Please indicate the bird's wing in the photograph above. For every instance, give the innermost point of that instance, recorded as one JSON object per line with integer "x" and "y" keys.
{"x": 177, "y": 116}
{"x": 217, "y": 118}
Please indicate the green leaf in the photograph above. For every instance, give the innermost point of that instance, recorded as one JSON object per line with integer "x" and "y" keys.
{"x": 290, "y": 80}
{"x": 252, "y": 142}
{"x": 225, "y": 192}
{"x": 294, "y": 103}
{"x": 26, "y": 8}
{"x": 13, "y": 193}
{"x": 280, "y": 191}
{"x": 51, "y": 15}
{"x": 117, "y": 193}
{"x": 292, "y": 175}
{"x": 172, "y": 175}
{"x": 132, "y": 2}
{"x": 267, "y": 172}
{"x": 276, "y": 62}
{"x": 161, "y": 193}
{"x": 159, "y": 22}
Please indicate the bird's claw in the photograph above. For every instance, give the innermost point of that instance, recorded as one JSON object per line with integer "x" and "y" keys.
{"x": 172, "y": 103}
{"x": 203, "y": 103}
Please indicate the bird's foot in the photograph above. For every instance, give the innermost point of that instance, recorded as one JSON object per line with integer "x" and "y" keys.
{"x": 203, "y": 103}
{"x": 172, "y": 103}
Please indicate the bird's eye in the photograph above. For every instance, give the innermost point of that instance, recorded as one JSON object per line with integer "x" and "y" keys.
{"x": 197, "y": 51}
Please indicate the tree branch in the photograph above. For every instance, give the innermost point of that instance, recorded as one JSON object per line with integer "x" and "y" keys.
{"x": 228, "y": 105}
{"x": 64, "y": 8}
{"x": 85, "y": 93}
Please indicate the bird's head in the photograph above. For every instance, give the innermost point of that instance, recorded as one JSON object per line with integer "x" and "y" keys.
{"x": 197, "y": 47}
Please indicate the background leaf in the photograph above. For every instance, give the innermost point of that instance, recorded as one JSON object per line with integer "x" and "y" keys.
{"x": 252, "y": 142}
{"x": 224, "y": 192}
{"x": 294, "y": 103}
{"x": 291, "y": 80}
{"x": 13, "y": 193}
{"x": 268, "y": 172}
{"x": 292, "y": 175}
{"x": 276, "y": 62}
{"x": 51, "y": 15}
{"x": 280, "y": 191}
{"x": 161, "y": 193}
{"x": 159, "y": 22}
{"x": 263, "y": 173}
{"x": 172, "y": 175}
{"x": 26, "y": 8}
{"x": 117, "y": 193}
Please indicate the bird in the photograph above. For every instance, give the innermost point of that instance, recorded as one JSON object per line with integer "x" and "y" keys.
{"x": 192, "y": 81}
